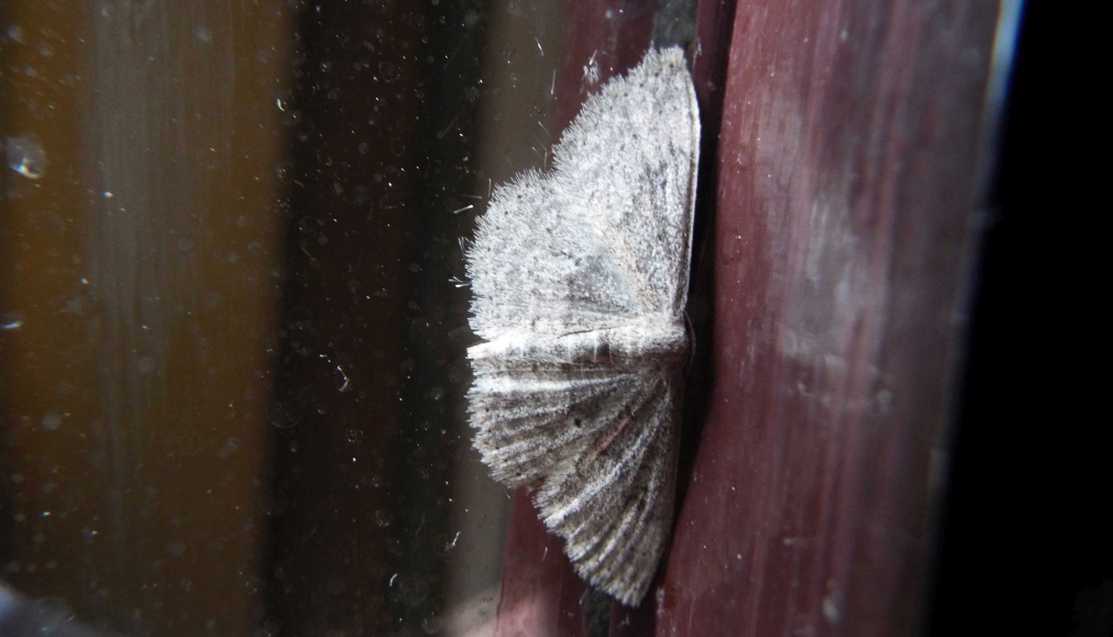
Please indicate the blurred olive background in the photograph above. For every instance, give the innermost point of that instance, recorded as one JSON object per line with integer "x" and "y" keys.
{"x": 232, "y": 323}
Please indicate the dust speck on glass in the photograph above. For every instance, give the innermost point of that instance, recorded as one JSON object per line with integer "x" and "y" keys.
{"x": 234, "y": 307}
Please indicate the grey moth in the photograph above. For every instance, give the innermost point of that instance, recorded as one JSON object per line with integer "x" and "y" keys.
{"x": 579, "y": 281}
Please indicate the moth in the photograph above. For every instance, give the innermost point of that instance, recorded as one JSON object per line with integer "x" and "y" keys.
{"x": 579, "y": 281}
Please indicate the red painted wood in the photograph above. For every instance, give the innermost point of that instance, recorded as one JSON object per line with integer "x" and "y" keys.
{"x": 714, "y": 21}
{"x": 844, "y": 189}
{"x": 541, "y": 593}
{"x": 845, "y": 197}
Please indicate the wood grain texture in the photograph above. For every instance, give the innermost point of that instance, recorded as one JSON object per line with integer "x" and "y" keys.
{"x": 845, "y": 200}
{"x": 133, "y": 398}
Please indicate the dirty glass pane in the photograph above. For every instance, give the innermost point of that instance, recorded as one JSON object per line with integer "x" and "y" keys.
{"x": 233, "y": 314}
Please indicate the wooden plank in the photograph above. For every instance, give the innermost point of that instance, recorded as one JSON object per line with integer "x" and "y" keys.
{"x": 140, "y": 262}
{"x": 847, "y": 160}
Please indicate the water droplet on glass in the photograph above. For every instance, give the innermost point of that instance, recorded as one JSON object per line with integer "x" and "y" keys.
{"x": 10, "y": 321}
{"x": 26, "y": 156}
